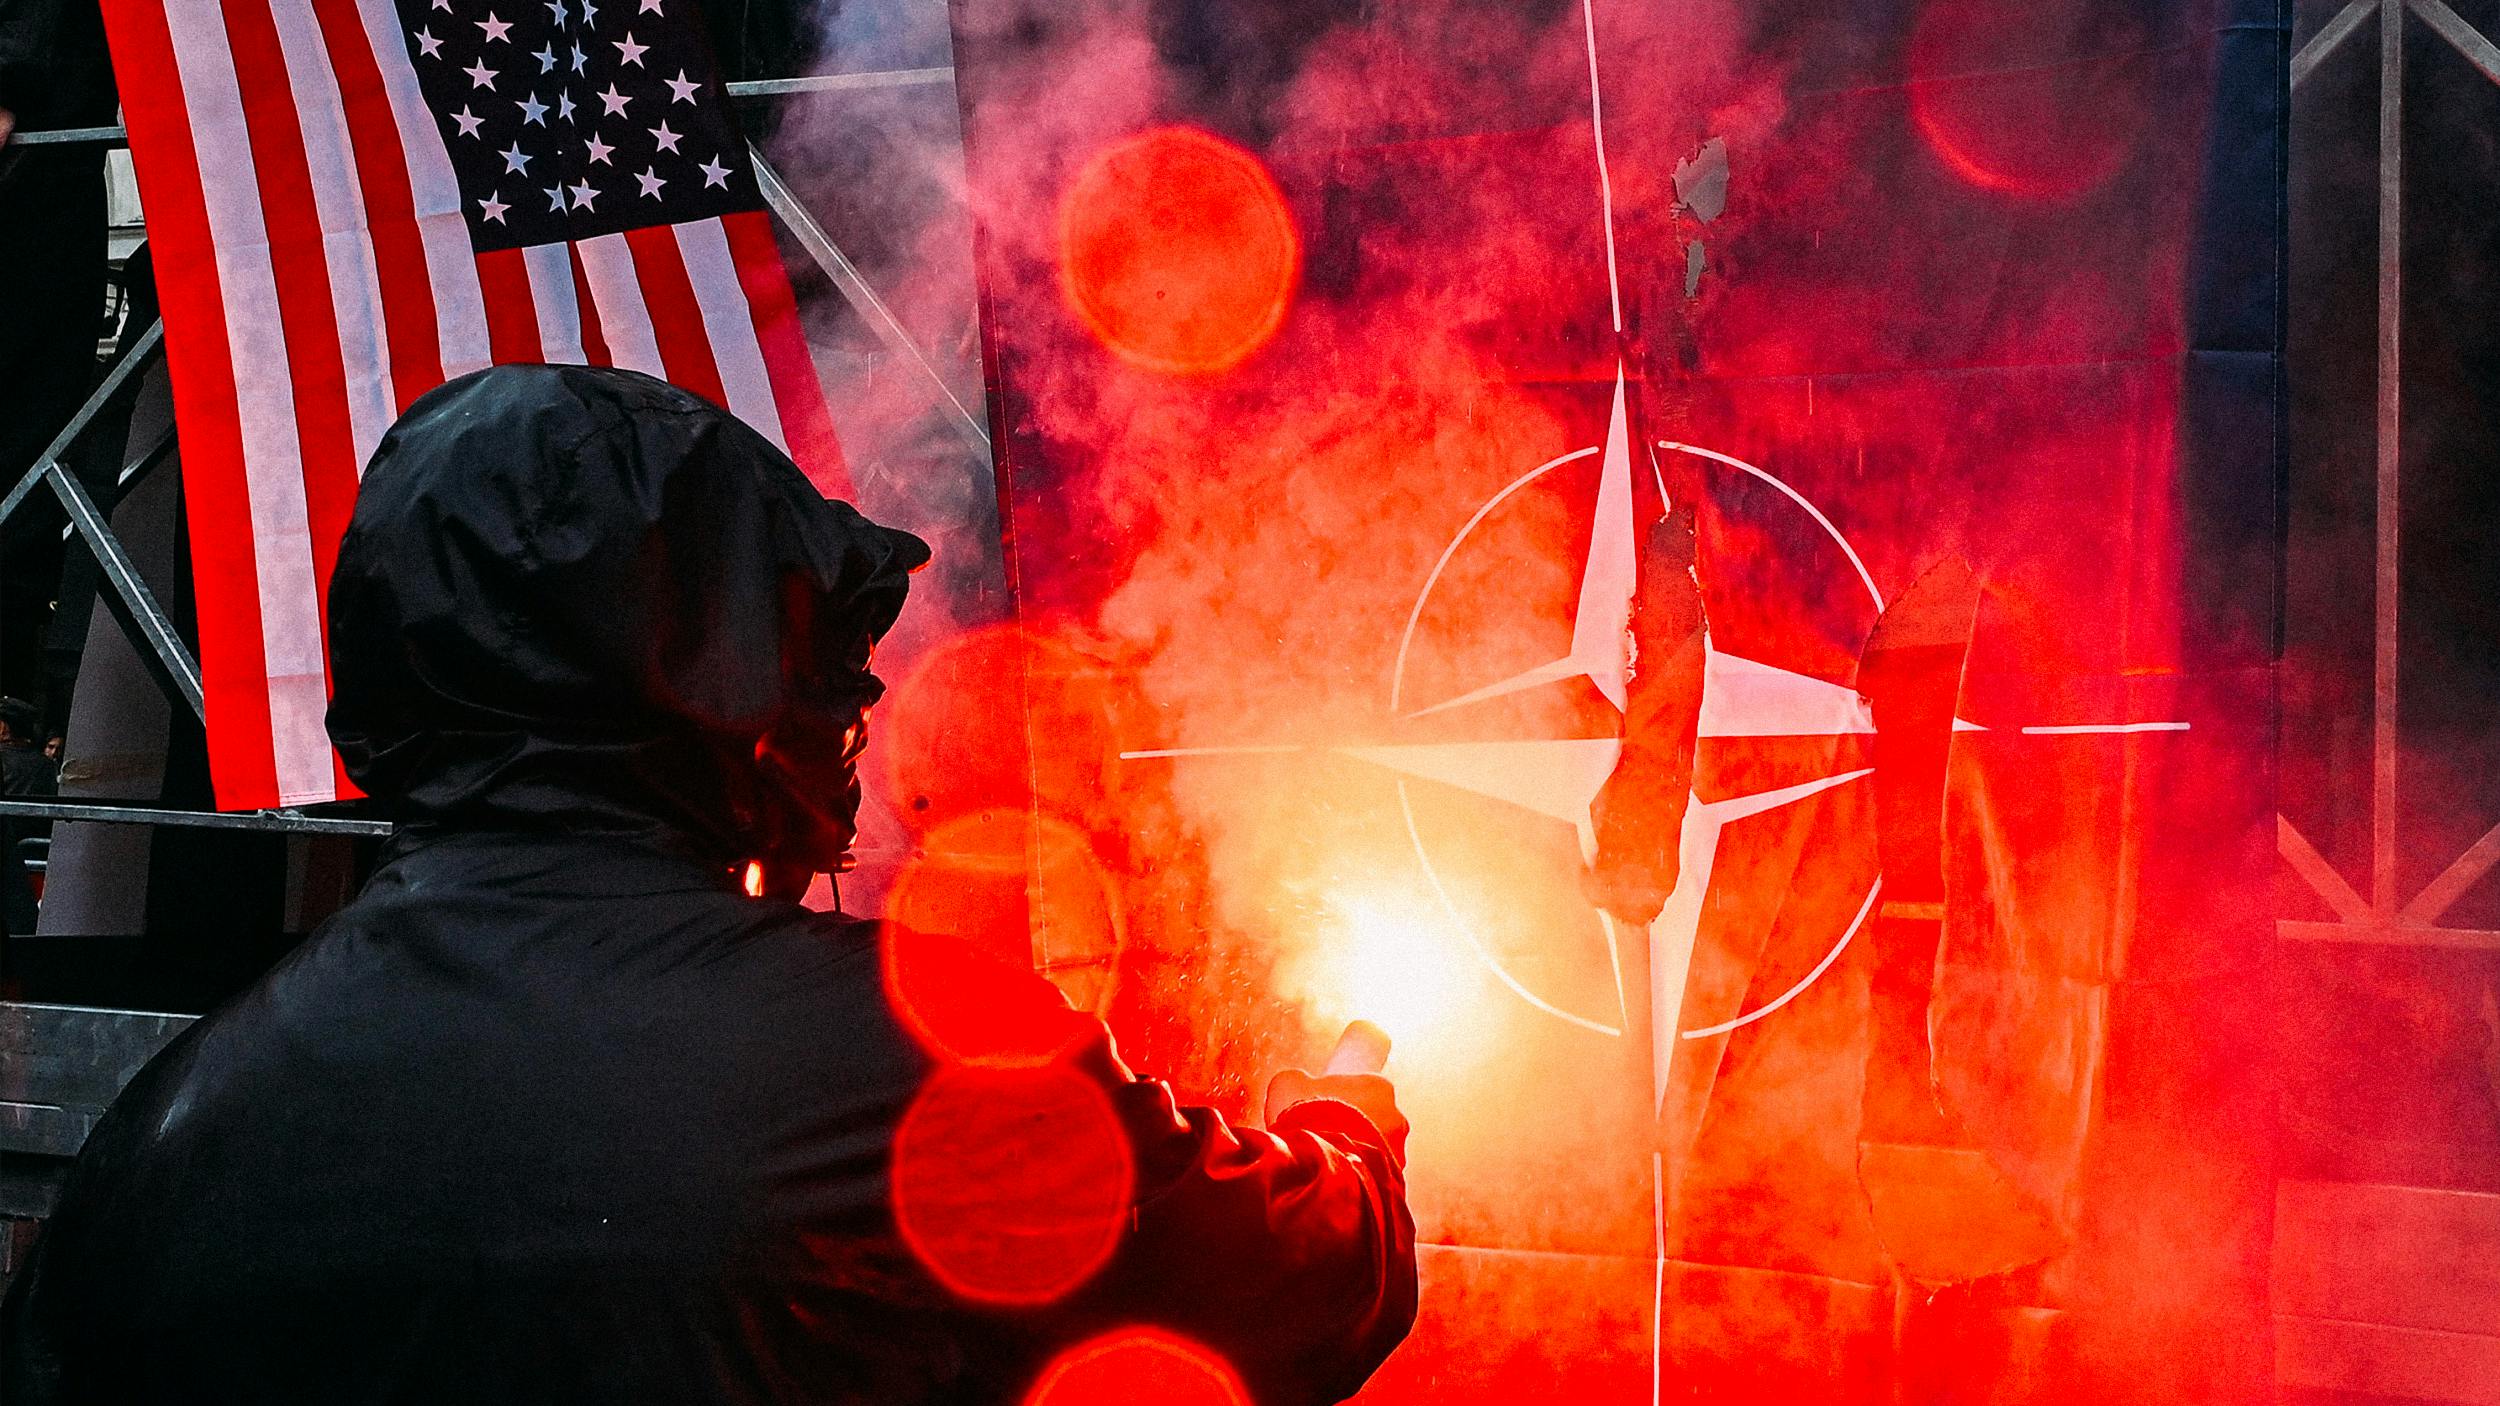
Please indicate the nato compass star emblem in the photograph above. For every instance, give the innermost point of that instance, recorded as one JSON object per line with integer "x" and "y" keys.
{"x": 1778, "y": 863}
{"x": 1761, "y": 720}
{"x": 1782, "y": 768}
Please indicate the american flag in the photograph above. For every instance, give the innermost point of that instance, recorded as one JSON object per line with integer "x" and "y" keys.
{"x": 352, "y": 201}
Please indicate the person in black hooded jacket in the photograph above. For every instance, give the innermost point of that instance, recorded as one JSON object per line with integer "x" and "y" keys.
{"x": 553, "y": 1112}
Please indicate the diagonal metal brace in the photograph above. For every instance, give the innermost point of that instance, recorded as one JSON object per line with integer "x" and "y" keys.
{"x": 288, "y": 822}
{"x": 846, "y": 277}
{"x": 133, "y": 605}
{"x": 2461, "y": 36}
{"x": 120, "y": 382}
{"x": 2453, "y": 882}
{"x": 2331, "y": 37}
{"x": 2312, "y": 866}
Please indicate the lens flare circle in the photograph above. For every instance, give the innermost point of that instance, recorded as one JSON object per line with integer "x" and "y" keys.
{"x": 969, "y": 997}
{"x": 1025, "y": 890}
{"x": 1139, "y": 1367}
{"x": 946, "y": 750}
{"x": 2005, "y": 109}
{"x": 1011, "y": 1186}
{"x": 1178, "y": 251}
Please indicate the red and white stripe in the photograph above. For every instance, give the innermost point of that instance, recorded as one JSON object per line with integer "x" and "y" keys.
{"x": 317, "y": 276}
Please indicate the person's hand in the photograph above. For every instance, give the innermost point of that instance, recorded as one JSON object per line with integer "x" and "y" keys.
{"x": 8, "y": 125}
{"x": 1370, "y": 1095}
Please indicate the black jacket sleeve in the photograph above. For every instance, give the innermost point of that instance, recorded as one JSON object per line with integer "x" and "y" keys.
{"x": 1288, "y": 1249}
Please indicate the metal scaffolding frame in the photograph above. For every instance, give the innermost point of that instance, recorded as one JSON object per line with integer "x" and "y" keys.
{"x": 134, "y": 606}
{"x": 2385, "y": 915}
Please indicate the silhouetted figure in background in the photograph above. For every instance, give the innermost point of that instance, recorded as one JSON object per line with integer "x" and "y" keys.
{"x": 28, "y": 770}
{"x": 553, "y": 1112}
{"x": 27, "y": 764}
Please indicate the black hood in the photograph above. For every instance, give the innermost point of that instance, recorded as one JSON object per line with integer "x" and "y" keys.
{"x": 581, "y": 598}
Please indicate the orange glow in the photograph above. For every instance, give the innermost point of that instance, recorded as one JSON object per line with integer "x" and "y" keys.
{"x": 753, "y": 880}
{"x": 1178, "y": 251}
{"x": 1011, "y": 1185}
{"x": 1139, "y": 1367}
{"x": 1396, "y": 960}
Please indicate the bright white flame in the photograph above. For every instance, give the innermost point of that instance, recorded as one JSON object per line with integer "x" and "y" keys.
{"x": 1392, "y": 958}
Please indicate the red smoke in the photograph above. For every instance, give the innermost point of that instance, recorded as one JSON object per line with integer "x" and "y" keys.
{"x": 1232, "y": 508}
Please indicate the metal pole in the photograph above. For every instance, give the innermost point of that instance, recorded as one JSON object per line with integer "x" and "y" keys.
{"x": 70, "y": 136}
{"x": 285, "y": 822}
{"x": 842, "y": 82}
{"x": 2391, "y": 35}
